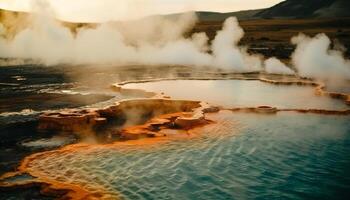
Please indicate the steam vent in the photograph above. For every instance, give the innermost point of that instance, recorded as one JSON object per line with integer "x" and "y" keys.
{"x": 146, "y": 100}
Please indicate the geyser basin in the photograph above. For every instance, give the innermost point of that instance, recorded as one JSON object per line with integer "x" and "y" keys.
{"x": 243, "y": 156}
{"x": 243, "y": 93}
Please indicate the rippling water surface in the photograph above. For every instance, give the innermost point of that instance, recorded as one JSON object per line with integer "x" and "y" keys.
{"x": 245, "y": 156}
{"x": 233, "y": 93}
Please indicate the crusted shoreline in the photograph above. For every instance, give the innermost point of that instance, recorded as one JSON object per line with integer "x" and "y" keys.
{"x": 319, "y": 88}
{"x": 160, "y": 113}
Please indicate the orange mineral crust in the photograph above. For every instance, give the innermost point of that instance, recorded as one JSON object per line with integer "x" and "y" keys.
{"x": 84, "y": 170}
{"x": 59, "y": 170}
{"x": 86, "y": 120}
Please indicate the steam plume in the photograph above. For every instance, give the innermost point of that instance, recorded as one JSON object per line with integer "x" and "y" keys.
{"x": 150, "y": 41}
{"x": 161, "y": 40}
{"x": 314, "y": 58}
{"x": 275, "y": 66}
{"x": 227, "y": 53}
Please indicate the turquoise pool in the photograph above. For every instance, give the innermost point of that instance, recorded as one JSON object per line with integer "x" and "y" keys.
{"x": 245, "y": 156}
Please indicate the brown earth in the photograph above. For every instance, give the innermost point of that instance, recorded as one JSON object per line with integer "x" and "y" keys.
{"x": 271, "y": 37}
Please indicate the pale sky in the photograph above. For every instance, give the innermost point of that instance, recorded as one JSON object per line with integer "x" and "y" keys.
{"x": 105, "y": 10}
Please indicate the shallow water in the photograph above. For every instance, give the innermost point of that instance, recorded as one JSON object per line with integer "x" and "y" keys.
{"x": 237, "y": 93}
{"x": 46, "y": 143}
{"x": 245, "y": 156}
{"x": 40, "y": 88}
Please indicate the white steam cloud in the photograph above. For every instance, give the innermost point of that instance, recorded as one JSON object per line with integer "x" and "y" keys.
{"x": 313, "y": 58}
{"x": 275, "y": 66}
{"x": 227, "y": 53}
{"x": 161, "y": 40}
{"x": 150, "y": 41}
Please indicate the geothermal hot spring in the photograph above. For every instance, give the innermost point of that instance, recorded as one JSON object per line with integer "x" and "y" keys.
{"x": 246, "y": 128}
{"x": 262, "y": 139}
{"x": 242, "y": 93}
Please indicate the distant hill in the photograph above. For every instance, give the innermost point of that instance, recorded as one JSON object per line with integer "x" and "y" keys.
{"x": 14, "y": 22}
{"x": 307, "y": 9}
{"x": 288, "y": 9}
{"x": 215, "y": 16}
{"x": 340, "y": 8}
